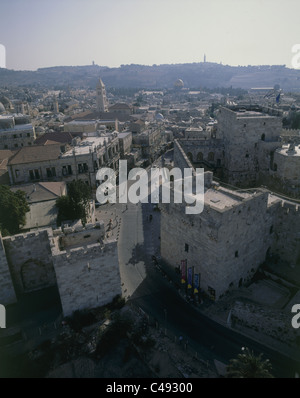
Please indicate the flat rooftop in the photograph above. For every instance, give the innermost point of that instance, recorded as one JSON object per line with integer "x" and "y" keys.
{"x": 86, "y": 146}
{"x": 242, "y": 114}
{"x": 17, "y": 127}
{"x": 285, "y": 150}
{"x": 222, "y": 198}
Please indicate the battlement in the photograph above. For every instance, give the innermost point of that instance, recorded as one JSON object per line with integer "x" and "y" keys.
{"x": 252, "y": 110}
{"x": 290, "y": 207}
{"x": 101, "y": 249}
{"x": 24, "y": 237}
{"x": 80, "y": 241}
{"x": 291, "y": 132}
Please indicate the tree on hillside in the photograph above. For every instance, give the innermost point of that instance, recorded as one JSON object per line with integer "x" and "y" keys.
{"x": 247, "y": 365}
{"x": 13, "y": 208}
{"x": 295, "y": 122}
{"x": 74, "y": 205}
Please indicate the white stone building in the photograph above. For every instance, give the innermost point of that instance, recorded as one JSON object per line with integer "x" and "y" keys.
{"x": 65, "y": 163}
{"x": 16, "y": 131}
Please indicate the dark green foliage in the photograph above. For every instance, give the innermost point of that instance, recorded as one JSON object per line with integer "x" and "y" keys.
{"x": 115, "y": 332}
{"x": 117, "y": 303}
{"x": 248, "y": 365}
{"x": 75, "y": 205}
{"x": 295, "y": 122}
{"x": 80, "y": 319}
{"x": 13, "y": 207}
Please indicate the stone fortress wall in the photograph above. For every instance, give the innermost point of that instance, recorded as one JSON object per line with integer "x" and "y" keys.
{"x": 7, "y": 292}
{"x": 87, "y": 276}
{"x": 286, "y": 232}
{"x": 80, "y": 261}
{"x": 236, "y": 232}
{"x": 30, "y": 262}
{"x": 250, "y": 148}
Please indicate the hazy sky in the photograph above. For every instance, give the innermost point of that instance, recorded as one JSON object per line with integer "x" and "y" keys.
{"x": 42, "y": 33}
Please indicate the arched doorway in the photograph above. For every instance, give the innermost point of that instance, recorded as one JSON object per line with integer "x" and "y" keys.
{"x": 34, "y": 275}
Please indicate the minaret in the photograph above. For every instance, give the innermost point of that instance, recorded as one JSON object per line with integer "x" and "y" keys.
{"x": 102, "y": 105}
{"x": 55, "y": 105}
{"x": 204, "y": 60}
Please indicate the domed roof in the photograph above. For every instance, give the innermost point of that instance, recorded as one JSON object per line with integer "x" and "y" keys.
{"x": 159, "y": 116}
{"x": 179, "y": 83}
{"x": 6, "y": 102}
{"x": 2, "y": 109}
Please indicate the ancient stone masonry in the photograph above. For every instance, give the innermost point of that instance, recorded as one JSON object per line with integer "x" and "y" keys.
{"x": 242, "y": 131}
{"x": 290, "y": 135}
{"x": 80, "y": 261}
{"x": 30, "y": 262}
{"x": 236, "y": 232}
{"x": 87, "y": 275}
{"x": 248, "y": 148}
{"x": 225, "y": 243}
{"x": 286, "y": 232}
{"x": 7, "y": 292}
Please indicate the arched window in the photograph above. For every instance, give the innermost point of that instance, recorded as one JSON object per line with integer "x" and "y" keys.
{"x": 263, "y": 136}
{"x": 190, "y": 156}
{"x": 211, "y": 157}
{"x": 200, "y": 157}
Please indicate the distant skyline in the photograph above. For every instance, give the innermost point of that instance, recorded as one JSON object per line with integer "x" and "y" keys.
{"x": 41, "y": 33}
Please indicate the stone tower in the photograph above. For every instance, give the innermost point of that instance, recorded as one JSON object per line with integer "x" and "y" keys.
{"x": 102, "y": 105}
{"x": 7, "y": 291}
{"x": 55, "y": 105}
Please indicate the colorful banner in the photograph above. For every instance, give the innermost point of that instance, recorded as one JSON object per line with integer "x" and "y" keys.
{"x": 196, "y": 283}
{"x": 183, "y": 271}
{"x": 190, "y": 277}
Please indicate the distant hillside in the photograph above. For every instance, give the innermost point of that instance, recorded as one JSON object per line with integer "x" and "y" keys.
{"x": 194, "y": 75}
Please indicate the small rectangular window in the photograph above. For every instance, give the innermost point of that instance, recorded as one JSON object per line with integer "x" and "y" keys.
{"x": 186, "y": 247}
{"x": 211, "y": 292}
{"x": 37, "y": 174}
